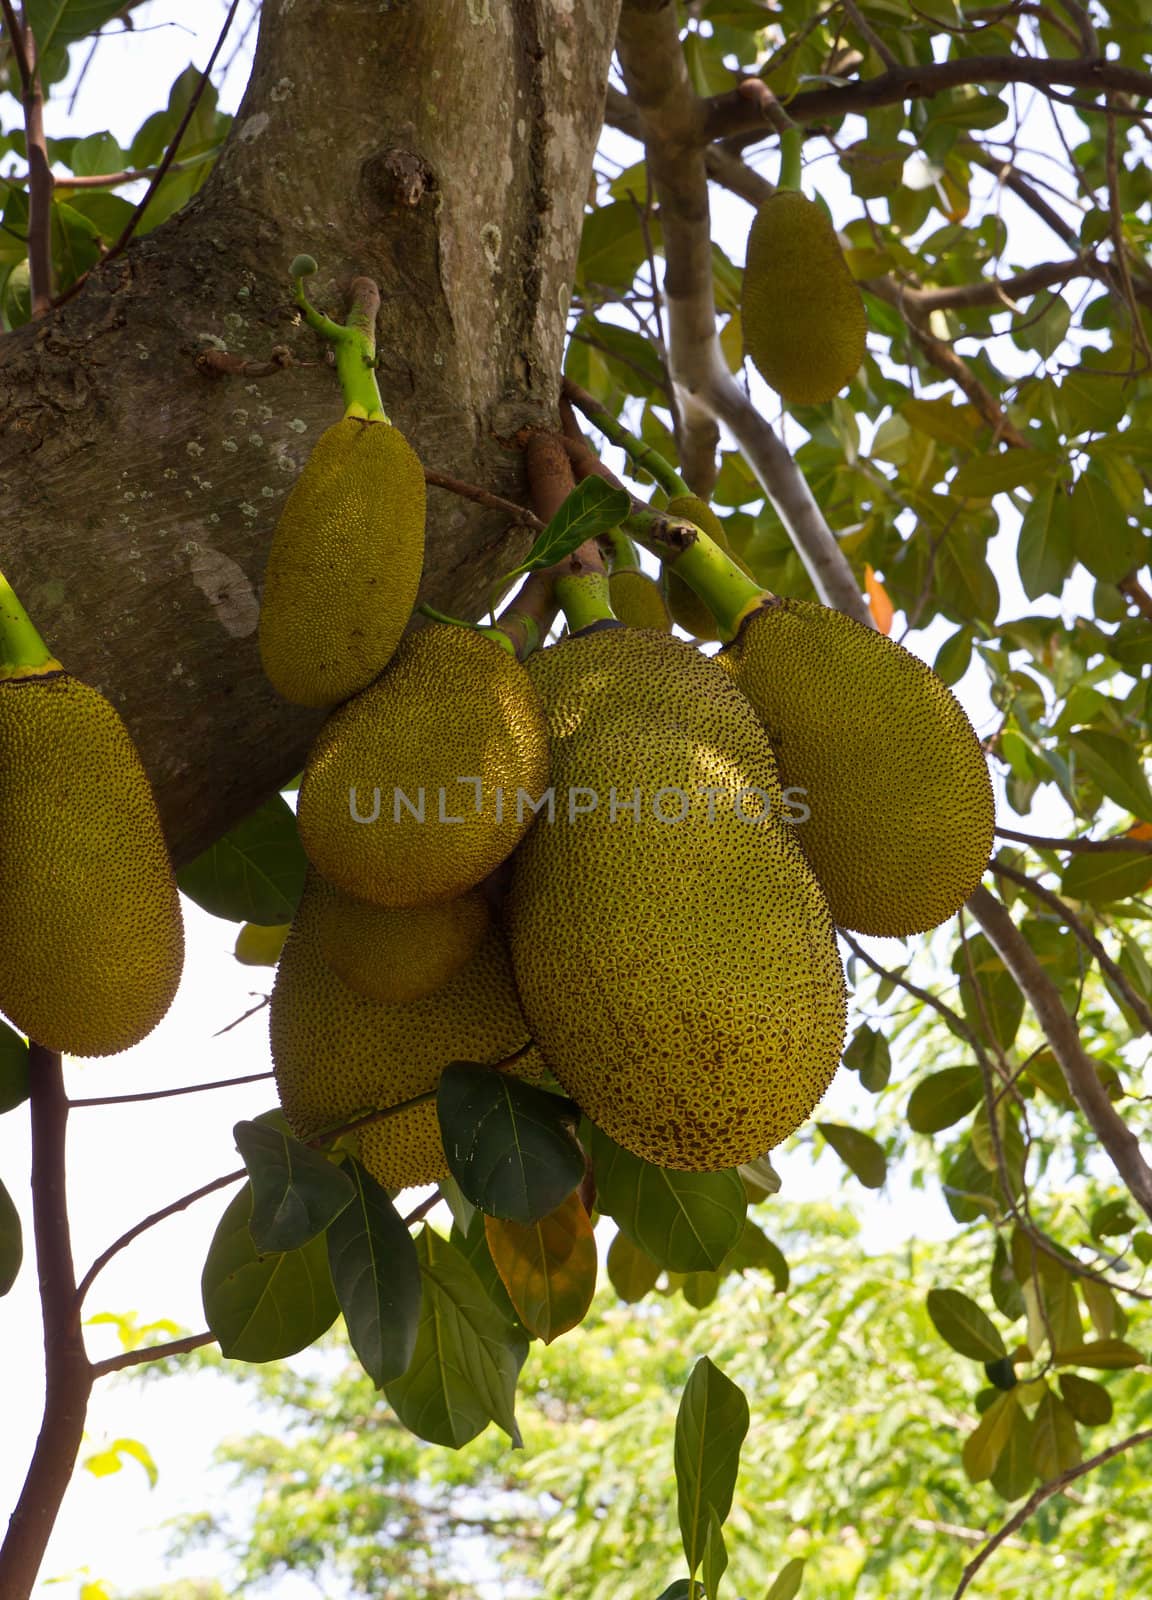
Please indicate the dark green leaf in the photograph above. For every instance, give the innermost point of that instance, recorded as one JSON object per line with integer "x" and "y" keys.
{"x": 262, "y": 1307}
{"x": 1105, "y": 877}
{"x": 591, "y": 509}
{"x": 989, "y": 994}
{"x": 939, "y": 1101}
{"x": 11, "y": 1241}
{"x": 1115, "y": 765}
{"x": 1006, "y": 1294}
{"x": 57, "y": 23}
{"x": 464, "y": 1368}
{"x": 1089, "y": 1402}
{"x": 510, "y": 1145}
{"x": 970, "y": 1190}
{"x": 13, "y": 1069}
{"x": 953, "y": 657}
{"x": 1001, "y": 1373}
{"x": 786, "y": 1584}
{"x": 960, "y": 1322}
{"x": 868, "y": 1055}
{"x": 858, "y": 1151}
{"x": 984, "y": 476}
{"x": 297, "y": 1191}
{"x": 686, "y": 1221}
{"x": 710, "y": 1428}
{"x": 754, "y": 1252}
{"x": 255, "y": 873}
{"x": 682, "y": 1589}
{"x": 376, "y": 1276}
{"x": 612, "y": 247}
{"x": 715, "y": 1562}
{"x": 631, "y": 1271}
{"x": 1104, "y": 541}
{"x": 1131, "y": 644}
{"x": 1112, "y": 1218}
{"x": 1044, "y": 552}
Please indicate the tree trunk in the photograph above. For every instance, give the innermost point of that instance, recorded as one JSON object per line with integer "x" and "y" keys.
{"x": 442, "y": 149}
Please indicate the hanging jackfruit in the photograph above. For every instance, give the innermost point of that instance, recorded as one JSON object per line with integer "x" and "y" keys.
{"x": 338, "y": 1055}
{"x": 902, "y": 814}
{"x": 91, "y": 938}
{"x": 672, "y": 948}
{"x": 420, "y": 786}
{"x": 345, "y": 563}
{"x": 399, "y": 954}
{"x": 802, "y": 314}
{"x": 637, "y": 600}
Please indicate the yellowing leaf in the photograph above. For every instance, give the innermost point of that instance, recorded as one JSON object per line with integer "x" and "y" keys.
{"x": 982, "y": 1448}
{"x": 879, "y": 604}
{"x": 548, "y": 1267}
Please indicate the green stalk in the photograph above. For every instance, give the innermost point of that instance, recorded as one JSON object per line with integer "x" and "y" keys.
{"x": 729, "y": 593}
{"x": 354, "y": 342}
{"x": 641, "y": 454}
{"x": 791, "y": 156}
{"x": 584, "y": 599}
{"x": 23, "y": 653}
{"x": 624, "y": 557}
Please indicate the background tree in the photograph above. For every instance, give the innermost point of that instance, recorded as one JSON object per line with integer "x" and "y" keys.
{"x": 1001, "y": 391}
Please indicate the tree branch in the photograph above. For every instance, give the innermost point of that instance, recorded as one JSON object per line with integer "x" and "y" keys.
{"x": 40, "y": 178}
{"x": 67, "y": 1373}
{"x": 152, "y": 1352}
{"x": 1122, "y": 845}
{"x": 1037, "y": 1499}
{"x": 1117, "y": 1139}
{"x": 166, "y": 1094}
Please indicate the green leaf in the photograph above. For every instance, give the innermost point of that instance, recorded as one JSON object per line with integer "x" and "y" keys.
{"x": 989, "y": 994}
{"x": 57, "y": 23}
{"x": 868, "y": 1055}
{"x": 953, "y": 657}
{"x": 682, "y": 1589}
{"x": 96, "y": 153}
{"x": 1115, "y": 766}
{"x": 1089, "y": 1402}
{"x": 786, "y": 1584}
{"x": 262, "y": 1307}
{"x": 255, "y": 873}
{"x": 297, "y": 1191}
{"x": 1055, "y": 1442}
{"x": 1091, "y": 402}
{"x": 715, "y": 1562}
{"x": 631, "y": 1271}
{"x": 1014, "y": 1472}
{"x": 1106, "y": 1355}
{"x": 1044, "y": 552}
{"x": 982, "y": 1448}
{"x": 591, "y": 509}
{"x": 960, "y": 1322}
{"x": 939, "y": 1101}
{"x": 859, "y": 1152}
{"x": 755, "y": 1252}
{"x": 472, "y": 1244}
{"x": 1006, "y": 1295}
{"x": 686, "y": 1221}
{"x": 710, "y": 1428}
{"x": 1001, "y": 1373}
{"x": 612, "y": 247}
{"x": 1106, "y": 876}
{"x": 1111, "y": 1218}
{"x": 13, "y": 1068}
{"x": 464, "y": 1368}
{"x": 376, "y": 1276}
{"x": 1101, "y": 536}
{"x": 984, "y": 476}
{"x": 11, "y": 1241}
{"x": 510, "y": 1146}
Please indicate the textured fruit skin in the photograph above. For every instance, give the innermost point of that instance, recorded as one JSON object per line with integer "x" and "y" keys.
{"x": 681, "y": 979}
{"x": 902, "y": 808}
{"x": 637, "y": 601}
{"x": 338, "y": 1054}
{"x": 803, "y": 317}
{"x": 91, "y": 938}
{"x": 686, "y": 606}
{"x": 344, "y": 565}
{"x": 395, "y": 954}
{"x": 452, "y": 705}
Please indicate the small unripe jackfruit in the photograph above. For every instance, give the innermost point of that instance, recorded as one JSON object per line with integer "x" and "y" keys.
{"x": 902, "y": 811}
{"x": 344, "y": 566}
{"x": 399, "y": 954}
{"x": 802, "y": 314}
{"x": 676, "y": 961}
{"x": 91, "y": 938}
{"x": 637, "y": 601}
{"x": 338, "y": 1055}
{"x": 413, "y": 791}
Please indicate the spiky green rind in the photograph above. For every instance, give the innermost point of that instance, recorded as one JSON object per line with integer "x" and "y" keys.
{"x": 902, "y": 808}
{"x": 680, "y": 977}
{"x": 400, "y": 955}
{"x": 344, "y": 567}
{"x": 91, "y": 938}
{"x": 637, "y": 601}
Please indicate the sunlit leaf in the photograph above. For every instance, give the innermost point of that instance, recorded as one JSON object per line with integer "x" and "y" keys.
{"x": 960, "y": 1322}
{"x": 860, "y": 1153}
{"x": 255, "y": 872}
{"x": 710, "y": 1428}
{"x": 548, "y": 1267}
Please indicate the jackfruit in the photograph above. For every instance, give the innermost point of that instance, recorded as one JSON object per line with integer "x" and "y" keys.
{"x": 420, "y": 786}
{"x": 902, "y": 814}
{"x": 338, "y": 1055}
{"x": 680, "y": 976}
{"x": 344, "y": 566}
{"x": 400, "y": 954}
{"x": 803, "y": 317}
{"x": 91, "y": 938}
{"x": 637, "y": 601}
{"x": 686, "y": 606}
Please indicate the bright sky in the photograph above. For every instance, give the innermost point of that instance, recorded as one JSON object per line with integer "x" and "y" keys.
{"x": 128, "y": 1161}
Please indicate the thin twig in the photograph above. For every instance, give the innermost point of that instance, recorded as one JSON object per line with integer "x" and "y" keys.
{"x": 1118, "y": 846}
{"x": 483, "y": 497}
{"x": 251, "y": 1012}
{"x": 40, "y": 178}
{"x": 165, "y": 1094}
{"x": 151, "y": 1352}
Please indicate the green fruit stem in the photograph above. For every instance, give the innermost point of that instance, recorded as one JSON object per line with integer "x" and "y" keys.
{"x": 624, "y": 555}
{"x": 23, "y": 653}
{"x": 640, "y": 454}
{"x": 354, "y": 342}
{"x": 728, "y": 592}
{"x": 791, "y": 157}
{"x": 584, "y": 598}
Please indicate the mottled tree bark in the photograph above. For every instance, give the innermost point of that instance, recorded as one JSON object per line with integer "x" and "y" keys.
{"x": 442, "y": 149}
